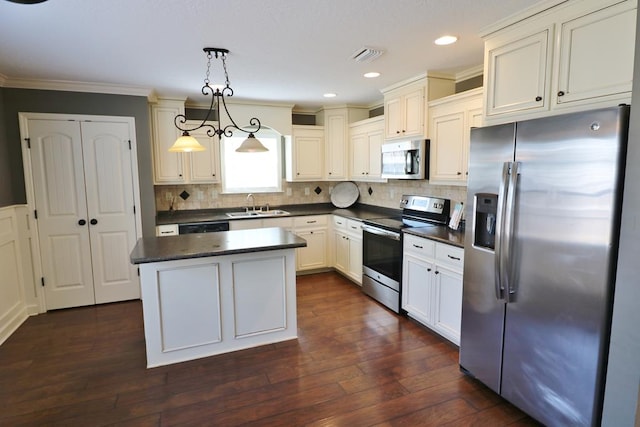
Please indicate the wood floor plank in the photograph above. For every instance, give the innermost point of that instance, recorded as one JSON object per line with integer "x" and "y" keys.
{"x": 354, "y": 363}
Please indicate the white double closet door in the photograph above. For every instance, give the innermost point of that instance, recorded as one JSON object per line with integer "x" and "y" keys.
{"x": 83, "y": 183}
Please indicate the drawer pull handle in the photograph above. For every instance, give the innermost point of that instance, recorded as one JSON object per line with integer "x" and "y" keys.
{"x": 417, "y": 246}
{"x": 453, "y": 257}
{"x": 311, "y": 222}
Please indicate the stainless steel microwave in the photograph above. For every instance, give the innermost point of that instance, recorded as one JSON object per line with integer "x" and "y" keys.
{"x": 406, "y": 159}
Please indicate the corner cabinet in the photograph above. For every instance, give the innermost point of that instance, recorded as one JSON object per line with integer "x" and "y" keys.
{"x": 574, "y": 56}
{"x": 304, "y": 154}
{"x": 432, "y": 285}
{"x": 365, "y": 149}
{"x": 450, "y": 123}
{"x": 336, "y": 139}
{"x": 202, "y": 167}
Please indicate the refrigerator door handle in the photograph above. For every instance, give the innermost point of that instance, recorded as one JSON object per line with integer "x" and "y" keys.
{"x": 498, "y": 251}
{"x": 508, "y": 232}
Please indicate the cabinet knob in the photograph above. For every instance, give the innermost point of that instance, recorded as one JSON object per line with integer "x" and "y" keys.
{"x": 428, "y": 269}
{"x": 213, "y": 174}
{"x": 538, "y": 98}
{"x": 93, "y": 221}
{"x": 459, "y": 173}
{"x": 82, "y": 222}
{"x": 297, "y": 173}
{"x": 437, "y": 272}
{"x": 180, "y": 175}
{"x": 329, "y": 173}
{"x": 397, "y": 131}
{"x": 561, "y": 93}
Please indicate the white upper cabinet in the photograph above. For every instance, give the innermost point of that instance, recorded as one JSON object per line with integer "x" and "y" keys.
{"x": 404, "y": 113}
{"x": 204, "y": 166}
{"x": 168, "y": 168}
{"x": 596, "y": 55}
{"x": 405, "y": 105}
{"x": 201, "y": 167}
{"x": 304, "y": 153}
{"x": 577, "y": 55}
{"x": 365, "y": 153}
{"x": 450, "y": 123}
{"x": 518, "y": 72}
{"x": 336, "y": 139}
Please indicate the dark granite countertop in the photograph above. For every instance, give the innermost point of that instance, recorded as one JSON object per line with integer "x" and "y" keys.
{"x": 439, "y": 233}
{"x": 357, "y": 211}
{"x": 199, "y": 245}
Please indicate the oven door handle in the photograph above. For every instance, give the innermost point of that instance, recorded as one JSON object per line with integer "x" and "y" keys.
{"x": 379, "y": 232}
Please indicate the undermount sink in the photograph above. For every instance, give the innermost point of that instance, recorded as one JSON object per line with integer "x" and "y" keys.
{"x": 251, "y": 214}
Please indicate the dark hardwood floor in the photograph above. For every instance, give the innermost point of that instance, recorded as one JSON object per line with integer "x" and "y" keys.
{"x": 354, "y": 364}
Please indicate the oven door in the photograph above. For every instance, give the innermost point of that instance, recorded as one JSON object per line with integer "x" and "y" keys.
{"x": 382, "y": 255}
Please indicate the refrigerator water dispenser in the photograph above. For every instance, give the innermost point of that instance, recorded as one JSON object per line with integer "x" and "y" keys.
{"x": 486, "y": 207}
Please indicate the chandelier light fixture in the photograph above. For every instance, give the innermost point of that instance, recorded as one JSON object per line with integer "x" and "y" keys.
{"x": 218, "y": 94}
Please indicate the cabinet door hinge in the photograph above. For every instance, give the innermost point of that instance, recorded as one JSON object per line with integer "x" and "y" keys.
{"x": 134, "y": 209}
{"x": 28, "y": 142}
{"x": 35, "y": 214}
{"x": 129, "y": 144}
{"x": 138, "y": 271}
{"x": 42, "y": 281}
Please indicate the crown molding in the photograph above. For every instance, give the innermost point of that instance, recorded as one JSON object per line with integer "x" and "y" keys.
{"x": 189, "y": 103}
{"x": 70, "y": 86}
{"x": 521, "y": 15}
{"x": 470, "y": 73}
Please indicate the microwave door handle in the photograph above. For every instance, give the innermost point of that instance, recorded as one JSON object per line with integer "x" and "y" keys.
{"x": 408, "y": 163}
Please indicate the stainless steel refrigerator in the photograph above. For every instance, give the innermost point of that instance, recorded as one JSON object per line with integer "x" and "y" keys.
{"x": 543, "y": 216}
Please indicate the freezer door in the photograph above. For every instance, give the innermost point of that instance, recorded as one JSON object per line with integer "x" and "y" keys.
{"x": 566, "y": 217}
{"x": 482, "y": 311}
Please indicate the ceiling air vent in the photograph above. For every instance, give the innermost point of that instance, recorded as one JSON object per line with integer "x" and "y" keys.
{"x": 366, "y": 54}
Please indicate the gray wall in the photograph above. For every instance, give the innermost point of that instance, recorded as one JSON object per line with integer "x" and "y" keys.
{"x": 6, "y": 189}
{"x": 14, "y": 101}
{"x": 623, "y": 373}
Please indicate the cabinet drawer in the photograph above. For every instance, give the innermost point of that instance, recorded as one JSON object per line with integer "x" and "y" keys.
{"x": 167, "y": 230}
{"x": 450, "y": 255}
{"x": 339, "y": 223}
{"x": 354, "y": 227}
{"x": 310, "y": 221}
{"x": 418, "y": 246}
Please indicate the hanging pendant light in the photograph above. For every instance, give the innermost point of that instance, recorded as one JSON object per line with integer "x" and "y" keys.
{"x": 188, "y": 143}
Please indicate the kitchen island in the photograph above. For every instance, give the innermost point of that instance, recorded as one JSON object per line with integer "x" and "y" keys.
{"x": 211, "y": 293}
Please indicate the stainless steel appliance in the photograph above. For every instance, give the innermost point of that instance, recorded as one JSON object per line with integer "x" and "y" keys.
{"x": 543, "y": 216}
{"x": 382, "y": 246}
{"x": 405, "y": 159}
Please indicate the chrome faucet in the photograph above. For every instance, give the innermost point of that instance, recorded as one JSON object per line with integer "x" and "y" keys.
{"x": 253, "y": 201}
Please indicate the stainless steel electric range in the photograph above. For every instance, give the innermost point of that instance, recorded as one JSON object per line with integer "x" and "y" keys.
{"x": 382, "y": 245}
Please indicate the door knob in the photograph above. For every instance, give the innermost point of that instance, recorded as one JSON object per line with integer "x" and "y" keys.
{"x": 93, "y": 221}
{"x": 82, "y": 222}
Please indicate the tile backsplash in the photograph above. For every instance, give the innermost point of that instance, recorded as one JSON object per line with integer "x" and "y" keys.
{"x": 209, "y": 196}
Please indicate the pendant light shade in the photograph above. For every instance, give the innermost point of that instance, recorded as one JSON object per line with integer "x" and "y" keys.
{"x": 251, "y": 145}
{"x": 186, "y": 143}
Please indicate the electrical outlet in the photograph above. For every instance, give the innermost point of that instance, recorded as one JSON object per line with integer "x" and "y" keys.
{"x": 288, "y": 191}
{"x": 391, "y": 194}
{"x": 168, "y": 196}
{"x": 307, "y": 191}
{"x": 330, "y": 189}
{"x": 200, "y": 195}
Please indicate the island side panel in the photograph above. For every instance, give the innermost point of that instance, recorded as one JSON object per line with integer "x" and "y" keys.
{"x": 187, "y": 303}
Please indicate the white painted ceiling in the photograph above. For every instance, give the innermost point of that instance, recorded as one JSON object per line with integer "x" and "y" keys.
{"x": 288, "y": 51}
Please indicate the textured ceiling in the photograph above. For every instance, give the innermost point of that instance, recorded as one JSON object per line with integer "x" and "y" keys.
{"x": 289, "y": 51}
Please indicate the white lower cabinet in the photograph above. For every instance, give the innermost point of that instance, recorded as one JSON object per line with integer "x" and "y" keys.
{"x": 348, "y": 247}
{"x": 313, "y": 229}
{"x": 432, "y": 285}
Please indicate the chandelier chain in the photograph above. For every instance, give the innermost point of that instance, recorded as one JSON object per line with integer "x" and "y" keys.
{"x": 226, "y": 74}
{"x": 206, "y": 79}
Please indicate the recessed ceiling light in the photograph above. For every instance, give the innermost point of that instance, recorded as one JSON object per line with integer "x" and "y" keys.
{"x": 372, "y": 75}
{"x": 330, "y": 95}
{"x": 444, "y": 40}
